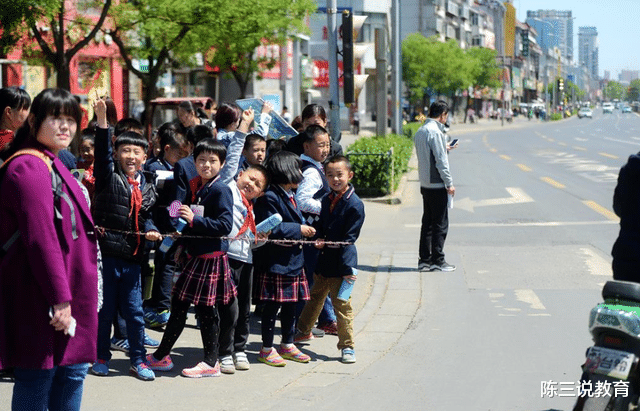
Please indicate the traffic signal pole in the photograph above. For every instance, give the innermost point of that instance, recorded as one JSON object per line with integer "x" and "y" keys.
{"x": 334, "y": 92}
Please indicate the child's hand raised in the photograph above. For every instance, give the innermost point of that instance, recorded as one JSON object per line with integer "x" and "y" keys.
{"x": 247, "y": 119}
{"x": 100, "y": 108}
{"x": 307, "y": 231}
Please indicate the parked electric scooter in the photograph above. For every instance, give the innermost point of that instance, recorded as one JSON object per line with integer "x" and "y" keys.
{"x": 611, "y": 376}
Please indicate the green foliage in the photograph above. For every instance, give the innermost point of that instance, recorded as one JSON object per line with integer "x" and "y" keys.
{"x": 633, "y": 92}
{"x": 372, "y": 172}
{"x": 555, "y": 116}
{"x": 485, "y": 71}
{"x": 430, "y": 64}
{"x": 243, "y": 25}
{"x": 409, "y": 129}
{"x": 613, "y": 90}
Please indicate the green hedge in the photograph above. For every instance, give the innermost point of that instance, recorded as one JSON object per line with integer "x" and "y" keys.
{"x": 555, "y": 116}
{"x": 372, "y": 173}
{"x": 410, "y": 129}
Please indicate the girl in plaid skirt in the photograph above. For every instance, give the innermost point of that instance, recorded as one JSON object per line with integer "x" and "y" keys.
{"x": 205, "y": 280}
{"x": 281, "y": 279}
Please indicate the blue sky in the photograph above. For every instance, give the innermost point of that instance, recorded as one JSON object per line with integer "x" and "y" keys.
{"x": 617, "y": 21}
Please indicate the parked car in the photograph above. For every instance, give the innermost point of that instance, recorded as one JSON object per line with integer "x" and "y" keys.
{"x": 607, "y": 108}
{"x": 585, "y": 112}
{"x": 626, "y": 109}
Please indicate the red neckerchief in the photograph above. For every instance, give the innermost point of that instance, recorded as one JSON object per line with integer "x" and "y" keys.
{"x": 195, "y": 184}
{"x": 136, "y": 205}
{"x": 249, "y": 220}
{"x": 334, "y": 197}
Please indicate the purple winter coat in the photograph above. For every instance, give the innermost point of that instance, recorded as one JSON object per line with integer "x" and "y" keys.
{"x": 44, "y": 267}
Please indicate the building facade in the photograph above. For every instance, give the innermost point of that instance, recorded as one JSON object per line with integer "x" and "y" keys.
{"x": 588, "y": 50}
{"x": 558, "y": 32}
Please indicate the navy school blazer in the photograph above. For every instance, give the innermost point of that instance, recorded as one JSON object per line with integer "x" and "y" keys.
{"x": 275, "y": 258}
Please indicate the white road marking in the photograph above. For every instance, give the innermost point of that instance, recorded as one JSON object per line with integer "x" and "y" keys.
{"x": 518, "y": 196}
{"x": 596, "y": 264}
{"x": 530, "y": 297}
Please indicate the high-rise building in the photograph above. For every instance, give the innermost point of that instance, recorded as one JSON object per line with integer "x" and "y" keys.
{"x": 588, "y": 50}
{"x": 627, "y": 76}
{"x": 556, "y": 27}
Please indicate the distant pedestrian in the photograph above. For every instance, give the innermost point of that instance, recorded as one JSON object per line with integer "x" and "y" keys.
{"x": 436, "y": 187}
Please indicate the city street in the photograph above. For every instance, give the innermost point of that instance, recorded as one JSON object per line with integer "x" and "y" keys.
{"x": 530, "y": 233}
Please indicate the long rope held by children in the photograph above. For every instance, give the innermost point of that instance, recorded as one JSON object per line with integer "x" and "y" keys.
{"x": 282, "y": 241}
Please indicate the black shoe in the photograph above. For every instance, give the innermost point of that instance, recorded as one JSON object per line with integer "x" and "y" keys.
{"x": 445, "y": 267}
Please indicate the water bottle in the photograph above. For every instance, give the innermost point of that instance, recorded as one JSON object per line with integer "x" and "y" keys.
{"x": 346, "y": 287}
{"x": 267, "y": 225}
{"x": 168, "y": 241}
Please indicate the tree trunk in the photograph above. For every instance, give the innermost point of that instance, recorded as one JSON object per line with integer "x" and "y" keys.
{"x": 63, "y": 75}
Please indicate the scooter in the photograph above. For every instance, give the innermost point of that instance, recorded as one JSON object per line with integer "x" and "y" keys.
{"x": 611, "y": 377}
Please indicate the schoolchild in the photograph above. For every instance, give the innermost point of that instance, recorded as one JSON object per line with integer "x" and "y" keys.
{"x": 124, "y": 196}
{"x": 280, "y": 266}
{"x": 312, "y": 114}
{"x": 229, "y": 119}
{"x": 254, "y": 150}
{"x": 234, "y": 318}
{"x": 341, "y": 220}
{"x": 205, "y": 280}
{"x": 314, "y": 186}
{"x": 174, "y": 147}
{"x": 14, "y": 109}
{"x": 85, "y": 160}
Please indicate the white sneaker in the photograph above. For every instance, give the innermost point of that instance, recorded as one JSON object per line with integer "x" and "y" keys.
{"x": 226, "y": 365}
{"x": 241, "y": 361}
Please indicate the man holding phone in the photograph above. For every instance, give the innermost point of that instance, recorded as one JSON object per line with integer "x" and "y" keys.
{"x": 436, "y": 186}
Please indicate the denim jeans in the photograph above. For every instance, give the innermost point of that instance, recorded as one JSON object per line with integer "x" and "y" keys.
{"x": 121, "y": 289}
{"x": 57, "y": 389}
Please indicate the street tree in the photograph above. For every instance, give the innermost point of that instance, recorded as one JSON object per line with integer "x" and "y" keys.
{"x": 60, "y": 31}
{"x": 431, "y": 65}
{"x": 484, "y": 69}
{"x": 613, "y": 90}
{"x": 154, "y": 33}
{"x": 244, "y": 25}
{"x": 633, "y": 92}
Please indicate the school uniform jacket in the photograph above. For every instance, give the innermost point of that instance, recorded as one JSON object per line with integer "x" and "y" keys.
{"x": 279, "y": 259}
{"x": 217, "y": 199}
{"x": 343, "y": 224}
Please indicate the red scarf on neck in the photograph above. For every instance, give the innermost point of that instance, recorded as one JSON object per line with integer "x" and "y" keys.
{"x": 136, "y": 205}
{"x": 249, "y": 221}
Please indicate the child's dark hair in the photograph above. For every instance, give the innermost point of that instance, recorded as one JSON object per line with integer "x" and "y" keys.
{"x": 296, "y": 123}
{"x": 263, "y": 170}
{"x": 198, "y": 133}
{"x": 51, "y": 101}
{"x": 312, "y": 132}
{"x": 284, "y": 168}
{"x": 313, "y": 110}
{"x": 88, "y": 134}
{"x": 14, "y": 97}
{"x": 274, "y": 146}
{"x": 251, "y": 139}
{"x": 170, "y": 134}
{"x": 131, "y": 138}
{"x": 127, "y": 124}
{"x": 227, "y": 115}
{"x": 339, "y": 159}
{"x": 210, "y": 145}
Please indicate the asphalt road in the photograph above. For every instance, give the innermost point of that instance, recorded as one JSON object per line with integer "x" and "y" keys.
{"x": 531, "y": 233}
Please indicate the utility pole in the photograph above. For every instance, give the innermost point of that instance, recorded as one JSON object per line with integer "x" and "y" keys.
{"x": 381, "y": 83}
{"x": 396, "y": 69}
{"x": 334, "y": 92}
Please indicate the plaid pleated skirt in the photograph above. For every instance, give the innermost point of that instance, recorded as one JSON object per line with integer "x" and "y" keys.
{"x": 206, "y": 281}
{"x": 282, "y": 288}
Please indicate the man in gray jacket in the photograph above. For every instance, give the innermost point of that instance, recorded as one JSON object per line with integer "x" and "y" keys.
{"x": 436, "y": 185}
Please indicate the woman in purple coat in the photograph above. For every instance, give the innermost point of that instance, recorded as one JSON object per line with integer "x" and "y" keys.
{"x": 48, "y": 274}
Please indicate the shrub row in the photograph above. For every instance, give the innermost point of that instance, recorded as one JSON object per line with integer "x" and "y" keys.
{"x": 372, "y": 165}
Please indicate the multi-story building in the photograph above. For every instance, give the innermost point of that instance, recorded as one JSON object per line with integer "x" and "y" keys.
{"x": 588, "y": 50}
{"x": 447, "y": 19}
{"x": 560, "y": 25}
{"x": 627, "y": 76}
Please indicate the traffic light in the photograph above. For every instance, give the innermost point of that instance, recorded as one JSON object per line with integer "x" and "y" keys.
{"x": 347, "y": 56}
{"x": 560, "y": 84}
{"x": 525, "y": 43}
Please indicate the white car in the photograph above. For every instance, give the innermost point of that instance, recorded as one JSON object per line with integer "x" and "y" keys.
{"x": 585, "y": 112}
{"x": 607, "y": 108}
{"x": 626, "y": 109}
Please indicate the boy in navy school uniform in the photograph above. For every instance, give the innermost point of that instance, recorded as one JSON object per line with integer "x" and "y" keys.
{"x": 341, "y": 220}
{"x": 123, "y": 200}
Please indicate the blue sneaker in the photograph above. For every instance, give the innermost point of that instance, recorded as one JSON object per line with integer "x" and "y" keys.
{"x": 150, "y": 316}
{"x": 150, "y": 342}
{"x": 120, "y": 345}
{"x": 101, "y": 368}
{"x": 142, "y": 372}
{"x": 163, "y": 317}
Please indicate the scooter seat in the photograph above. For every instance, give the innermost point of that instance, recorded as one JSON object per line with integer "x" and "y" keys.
{"x": 623, "y": 290}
